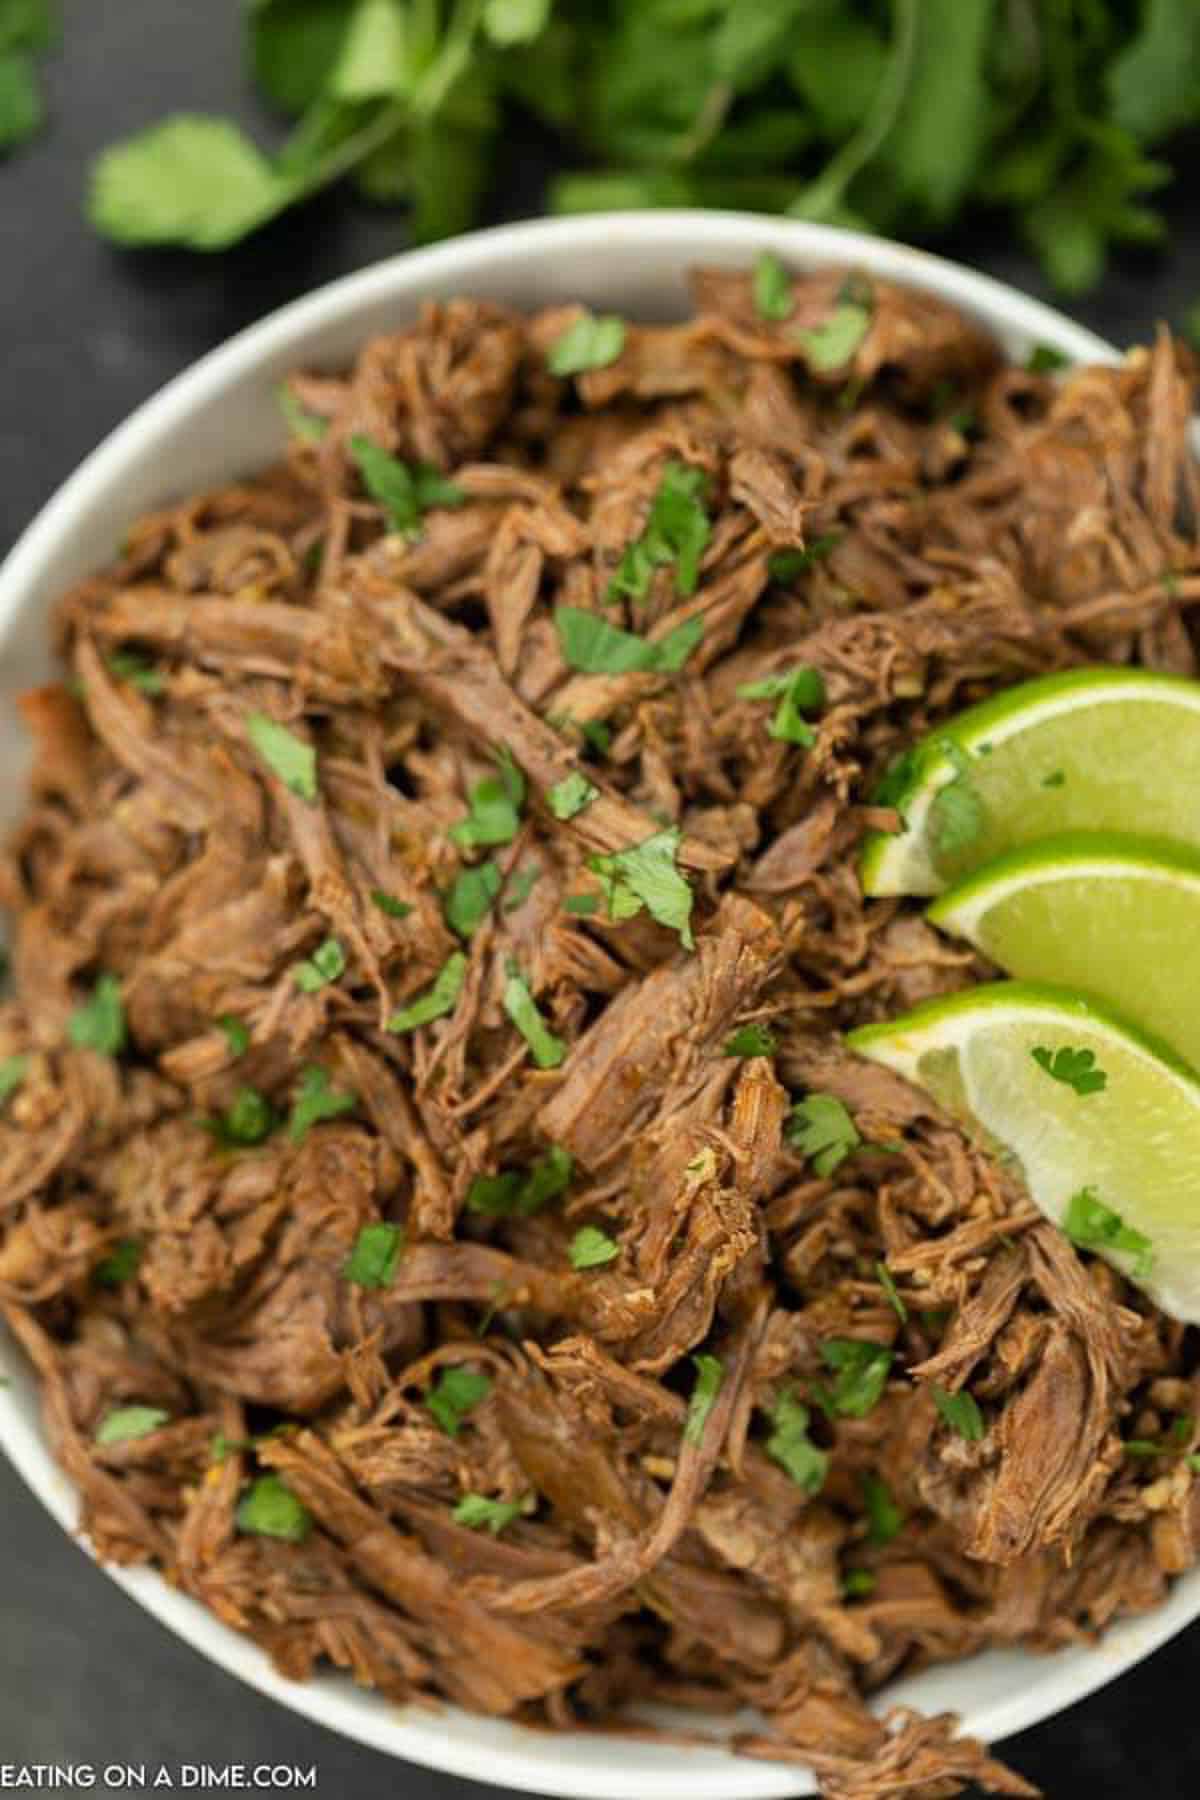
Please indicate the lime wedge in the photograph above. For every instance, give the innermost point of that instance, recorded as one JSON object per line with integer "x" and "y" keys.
{"x": 1092, "y": 749}
{"x": 1113, "y": 915}
{"x": 1119, "y": 1122}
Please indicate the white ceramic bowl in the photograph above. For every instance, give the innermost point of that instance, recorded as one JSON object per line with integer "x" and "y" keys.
{"x": 219, "y": 420}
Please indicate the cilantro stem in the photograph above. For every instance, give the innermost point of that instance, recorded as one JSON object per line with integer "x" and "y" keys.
{"x": 821, "y": 199}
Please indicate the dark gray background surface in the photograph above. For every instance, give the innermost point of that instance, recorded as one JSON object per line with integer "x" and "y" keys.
{"x": 86, "y": 334}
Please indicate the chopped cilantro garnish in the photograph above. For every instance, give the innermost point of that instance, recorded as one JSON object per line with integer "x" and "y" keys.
{"x": 582, "y": 904}
{"x": 404, "y": 490}
{"x": 120, "y": 1263}
{"x": 248, "y": 1119}
{"x": 288, "y": 757}
{"x": 388, "y": 904}
{"x": 831, "y": 344}
{"x": 437, "y": 1001}
{"x": 677, "y": 531}
{"x": 237, "y": 1034}
{"x": 590, "y": 644}
{"x": 860, "y": 1373}
{"x": 128, "y": 666}
{"x": 100, "y": 1023}
{"x": 791, "y": 1447}
{"x": 377, "y": 1250}
{"x": 456, "y": 1393}
{"x": 858, "y": 1583}
{"x": 961, "y": 1412}
{"x": 1094, "y": 1226}
{"x": 710, "y": 1377}
{"x": 821, "y": 1129}
{"x": 13, "y": 1070}
{"x": 495, "y": 1196}
{"x": 798, "y": 691}
{"x": 1074, "y": 1068}
{"x": 326, "y": 964}
{"x": 269, "y": 1508}
{"x": 300, "y": 422}
{"x": 223, "y": 1447}
{"x": 126, "y": 1423}
{"x": 646, "y": 875}
{"x": 570, "y": 795}
{"x": 890, "y": 1289}
{"x": 773, "y": 297}
{"x": 886, "y": 1519}
{"x": 592, "y": 341}
{"x": 316, "y": 1100}
{"x": 495, "y": 809}
{"x": 1044, "y": 359}
{"x": 750, "y": 1040}
{"x": 478, "y": 1513}
{"x": 784, "y": 565}
{"x": 591, "y": 1248}
{"x": 547, "y": 1050}
{"x": 470, "y": 899}
{"x": 512, "y": 1194}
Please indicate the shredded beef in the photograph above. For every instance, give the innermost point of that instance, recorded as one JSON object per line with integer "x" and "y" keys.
{"x": 966, "y": 523}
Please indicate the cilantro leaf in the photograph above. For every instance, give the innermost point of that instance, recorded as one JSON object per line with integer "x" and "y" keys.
{"x": 590, "y": 644}
{"x": 1094, "y": 1226}
{"x": 13, "y": 1070}
{"x": 509, "y": 22}
{"x": 437, "y": 1001}
{"x": 269, "y": 1508}
{"x": 513, "y": 1195}
{"x": 470, "y": 899}
{"x": 21, "y": 110}
{"x": 248, "y": 1119}
{"x": 387, "y": 904}
{"x": 857, "y": 1584}
{"x": 377, "y": 1250}
{"x": 591, "y": 1248}
{"x": 582, "y": 904}
{"x": 860, "y": 1375}
{"x": 456, "y": 1393}
{"x": 799, "y": 690}
{"x": 1152, "y": 84}
{"x": 772, "y": 288}
{"x": 326, "y": 964}
{"x": 237, "y": 1034}
{"x": 494, "y": 1196}
{"x": 830, "y": 345}
{"x": 750, "y": 1040}
{"x": 784, "y": 565}
{"x": 301, "y": 423}
{"x": 405, "y": 491}
{"x": 125, "y": 1424}
{"x": 677, "y": 531}
{"x": 1044, "y": 359}
{"x": 478, "y": 1513}
{"x": 316, "y": 1100}
{"x": 289, "y": 758}
{"x": 495, "y": 809}
{"x": 961, "y": 1412}
{"x": 646, "y": 875}
{"x": 100, "y": 1023}
{"x": 120, "y": 1263}
{"x": 822, "y": 1130}
{"x": 791, "y": 1447}
{"x": 189, "y": 180}
{"x": 589, "y": 342}
{"x": 710, "y": 1378}
{"x": 128, "y": 666}
{"x": 1076, "y": 1068}
{"x": 893, "y": 1293}
{"x": 570, "y": 795}
{"x": 293, "y": 46}
{"x": 547, "y": 1050}
{"x": 886, "y": 1519}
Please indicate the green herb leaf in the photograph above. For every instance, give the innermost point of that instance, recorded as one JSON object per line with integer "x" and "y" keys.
{"x": 799, "y": 690}
{"x": 495, "y": 809}
{"x": 858, "y": 1583}
{"x": 455, "y": 1394}
{"x": 1074, "y": 1068}
{"x": 316, "y": 1100}
{"x": 961, "y": 1412}
{"x": 120, "y": 1263}
{"x": 248, "y": 1119}
{"x": 1143, "y": 1447}
{"x": 791, "y": 1447}
{"x": 822, "y": 1130}
{"x": 189, "y": 180}
{"x": 327, "y": 963}
{"x": 470, "y": 899}
{"x": 785, "y": 565}
{"x": 509, "y": 22}
{"x": 646, "y": 875}
{"x": 128, "y": 666}
{"x": 237, "y": 1034}
{"x": 294, "y": 44}
{"x": 393, "y": 908}
{"x": 13, "y": 1070}
{"x": 590, "y": 342}
{"x": 890, "y": 1289}
{"x": 21, "y": 110}
{"x": 591, "y": 1248}
{"x": 520, "y": 885}
{"x": 750, "y": 1040}
{"x": 127, "y": 1423}
{"x": 1044, "y": 359}
{"x": 437, "y": 1001}
{"x": 830, "y": 345}
{"x": 1094, "y": 1226}
{"x": 494, "y": 1196}
{"x": 269, "y": 1508}
{"x": 478, "y": 1513}
{"x": 582, "y": 904}
{"x": 300, "y": 422}
{"x": 100, "y": 1023}
{"x": 677, "y": 531}
{"x": 223, "y": 1447}
{"x": 288, "y": 757}
{"x": 773, "y": 297}
{"x": 590, "y": 644}
{"x": 710, "y": 1378}
{"x": 547, "y": 1050}
{"x": 549, "y": 1177}
{"x": 377, "y": 1250}
{"x": 570, "y": 795}
{"x": 405, "y": 491}
{"x": 1152, "y": 85}
{"x": 886, "y": 1519}
{"x": 860, "y": 1376}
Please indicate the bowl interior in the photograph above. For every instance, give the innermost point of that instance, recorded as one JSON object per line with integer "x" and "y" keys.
{"x": 220, "y": 419}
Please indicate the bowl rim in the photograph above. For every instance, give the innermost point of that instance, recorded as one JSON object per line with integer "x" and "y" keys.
{"x": 590, "y": 1766}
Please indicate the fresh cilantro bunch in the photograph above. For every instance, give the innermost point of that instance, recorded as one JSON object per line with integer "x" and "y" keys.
{"x": 895, "y": 115}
